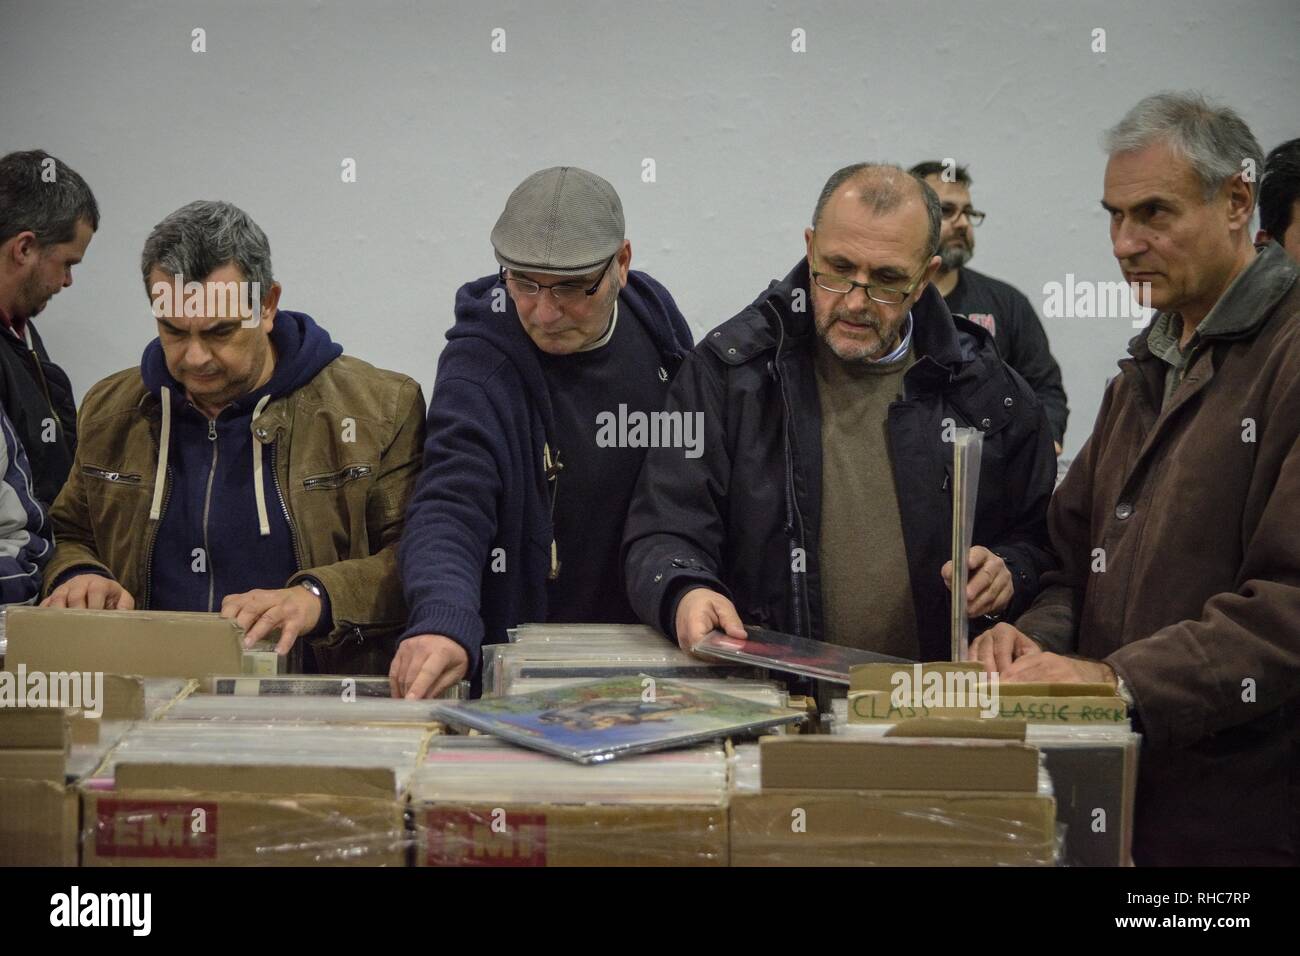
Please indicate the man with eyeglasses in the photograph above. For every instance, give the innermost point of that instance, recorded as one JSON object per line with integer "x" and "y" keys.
{"x": 999, "y": 307}
{"x": 822, "y": 503}
{"x": 518, "y": 514}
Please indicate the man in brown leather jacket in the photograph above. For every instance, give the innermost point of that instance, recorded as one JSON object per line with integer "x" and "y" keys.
{"x": 1176, "y": 526}
{"x": 247, "y": 466}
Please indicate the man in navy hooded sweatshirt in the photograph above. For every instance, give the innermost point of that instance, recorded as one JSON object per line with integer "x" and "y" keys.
{"x": 247, "y": 467}
{"x": 536, "y": 432}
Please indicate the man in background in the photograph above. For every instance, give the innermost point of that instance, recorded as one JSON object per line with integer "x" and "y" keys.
{"x": 1279, "y": 199}
{"x": 992, "y": 303}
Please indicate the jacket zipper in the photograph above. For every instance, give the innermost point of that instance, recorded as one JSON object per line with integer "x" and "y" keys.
{"x": 336, "y": 480}
{"x": 552, "y": 467}
{"x": 299, "y": 647}
{"x": 793, "y": 517}
{"x": 45, "y": 387}
{"x": 284, "y": 507}
{"x": 114, "y": 476}
{"x": 207, "y": 504}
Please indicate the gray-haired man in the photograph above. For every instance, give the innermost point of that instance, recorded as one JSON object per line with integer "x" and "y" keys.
{"x": 247, "y": 466}
{"x": 1175, "y": 527}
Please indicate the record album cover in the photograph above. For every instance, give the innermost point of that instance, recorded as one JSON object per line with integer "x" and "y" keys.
{"x": 598, "y": 721}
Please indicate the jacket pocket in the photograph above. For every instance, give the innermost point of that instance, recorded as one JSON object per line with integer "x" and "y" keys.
{"x": 116, "y": 477}
{"x": 336, "y": 479}
{"x": 355, "y": 649}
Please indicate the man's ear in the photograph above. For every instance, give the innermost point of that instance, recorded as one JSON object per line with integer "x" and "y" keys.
{"x": 623, "y": 261}
{"x": 22, "y": 248}
{"x": 1240, "y": 201}
{"x": 807, "y": 241}
{"x": 930, "y": 271}
{"x": 270, "y": 303}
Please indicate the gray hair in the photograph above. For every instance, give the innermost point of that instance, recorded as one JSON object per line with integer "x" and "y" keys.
{"x": 882, "y": 188}
{"x": 1213, "y": 139}
{"x": 203, "y": 236}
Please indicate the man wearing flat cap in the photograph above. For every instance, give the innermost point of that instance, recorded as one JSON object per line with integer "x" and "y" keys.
{"x": 528, "y": 464}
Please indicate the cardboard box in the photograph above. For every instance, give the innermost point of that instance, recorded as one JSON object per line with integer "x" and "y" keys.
{"x": 872, "y": 687}
{"x": 1063, "y": 703}
{"x": 570, "y": 835}
{"x": 38, "y": 823}
{"x": 34, "y": 763}
{"x": 929, "y": 763}
{"x": 144, "y": 643}
{"x": 197, "y": 815}
{"x": 38, "y": 813}
{"x": 876, "y": 828}
{"x": 36, "y": 727}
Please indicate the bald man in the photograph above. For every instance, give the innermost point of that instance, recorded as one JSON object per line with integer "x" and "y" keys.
{"x": 821, "y": 502}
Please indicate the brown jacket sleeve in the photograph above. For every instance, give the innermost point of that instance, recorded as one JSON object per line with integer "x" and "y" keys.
{"x": 1053, "y": 619}
{"x": 1241, "y": 659}
{"x": 74, "y": 539}
{"x": 367, "y": 591}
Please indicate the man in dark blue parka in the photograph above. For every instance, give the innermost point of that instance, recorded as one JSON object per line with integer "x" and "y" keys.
{"x": 549, "y": 390}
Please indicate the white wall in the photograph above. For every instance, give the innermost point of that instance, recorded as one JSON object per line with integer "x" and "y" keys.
{"x": 743, "y": 131}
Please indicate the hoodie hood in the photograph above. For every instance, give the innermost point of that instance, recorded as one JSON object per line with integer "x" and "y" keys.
{"x": 302, "y": 349}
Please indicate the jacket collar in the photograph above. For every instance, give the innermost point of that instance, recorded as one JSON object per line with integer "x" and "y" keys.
{"x": 785, "y": 311}
{"x": 1244, "y": 306}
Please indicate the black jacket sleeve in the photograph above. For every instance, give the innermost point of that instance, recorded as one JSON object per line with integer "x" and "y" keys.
{"x": 676, "y": 524}
{"x": 1031, "y": 356}
{"x": 1031, "y": 468}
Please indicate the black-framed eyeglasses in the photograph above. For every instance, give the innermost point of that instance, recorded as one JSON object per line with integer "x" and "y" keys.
{"x": 950, "y": 211}
{"x": 843, "y": 285}
{"x": 562, "y": 291}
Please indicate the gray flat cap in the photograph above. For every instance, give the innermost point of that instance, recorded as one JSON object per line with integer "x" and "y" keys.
{"x": 561, "y": 221}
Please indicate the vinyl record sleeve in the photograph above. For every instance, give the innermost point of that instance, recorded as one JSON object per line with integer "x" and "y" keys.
{"x": 601, "y": 720}
{"x": 794, "y": 655}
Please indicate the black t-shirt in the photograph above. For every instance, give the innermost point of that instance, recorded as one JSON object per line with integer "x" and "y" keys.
{"x": 1019, "y": 335}
{"x": 595, "y": 486}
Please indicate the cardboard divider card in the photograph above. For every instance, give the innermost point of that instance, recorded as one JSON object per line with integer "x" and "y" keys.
{"x": 144, "y": 643}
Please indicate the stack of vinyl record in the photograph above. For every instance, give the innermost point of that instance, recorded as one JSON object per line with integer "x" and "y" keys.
{"x": 244, "y": 743}
{"x": 565, "y": 653}
{"x": 487, "y": 770}
{"x": 301, "y": 709}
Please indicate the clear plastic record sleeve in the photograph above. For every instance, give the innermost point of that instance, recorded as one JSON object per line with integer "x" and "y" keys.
{"x": 601, "y": 720}
{"x": 966, "y": 452}
{"x": 795, "y": 655}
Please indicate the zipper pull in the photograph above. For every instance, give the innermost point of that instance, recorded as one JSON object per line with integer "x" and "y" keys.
{"x": 212, "y": 429}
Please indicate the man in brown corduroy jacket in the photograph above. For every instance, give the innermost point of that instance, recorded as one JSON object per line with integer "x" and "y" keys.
{"x": 1178, "y": 526}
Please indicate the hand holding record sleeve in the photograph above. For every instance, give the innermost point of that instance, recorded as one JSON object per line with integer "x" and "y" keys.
{"x": 777, "y": 651}
{"x": 701, "y": 611}
{"x": 967, "y": 446}
{"x": 989, "y": 587}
